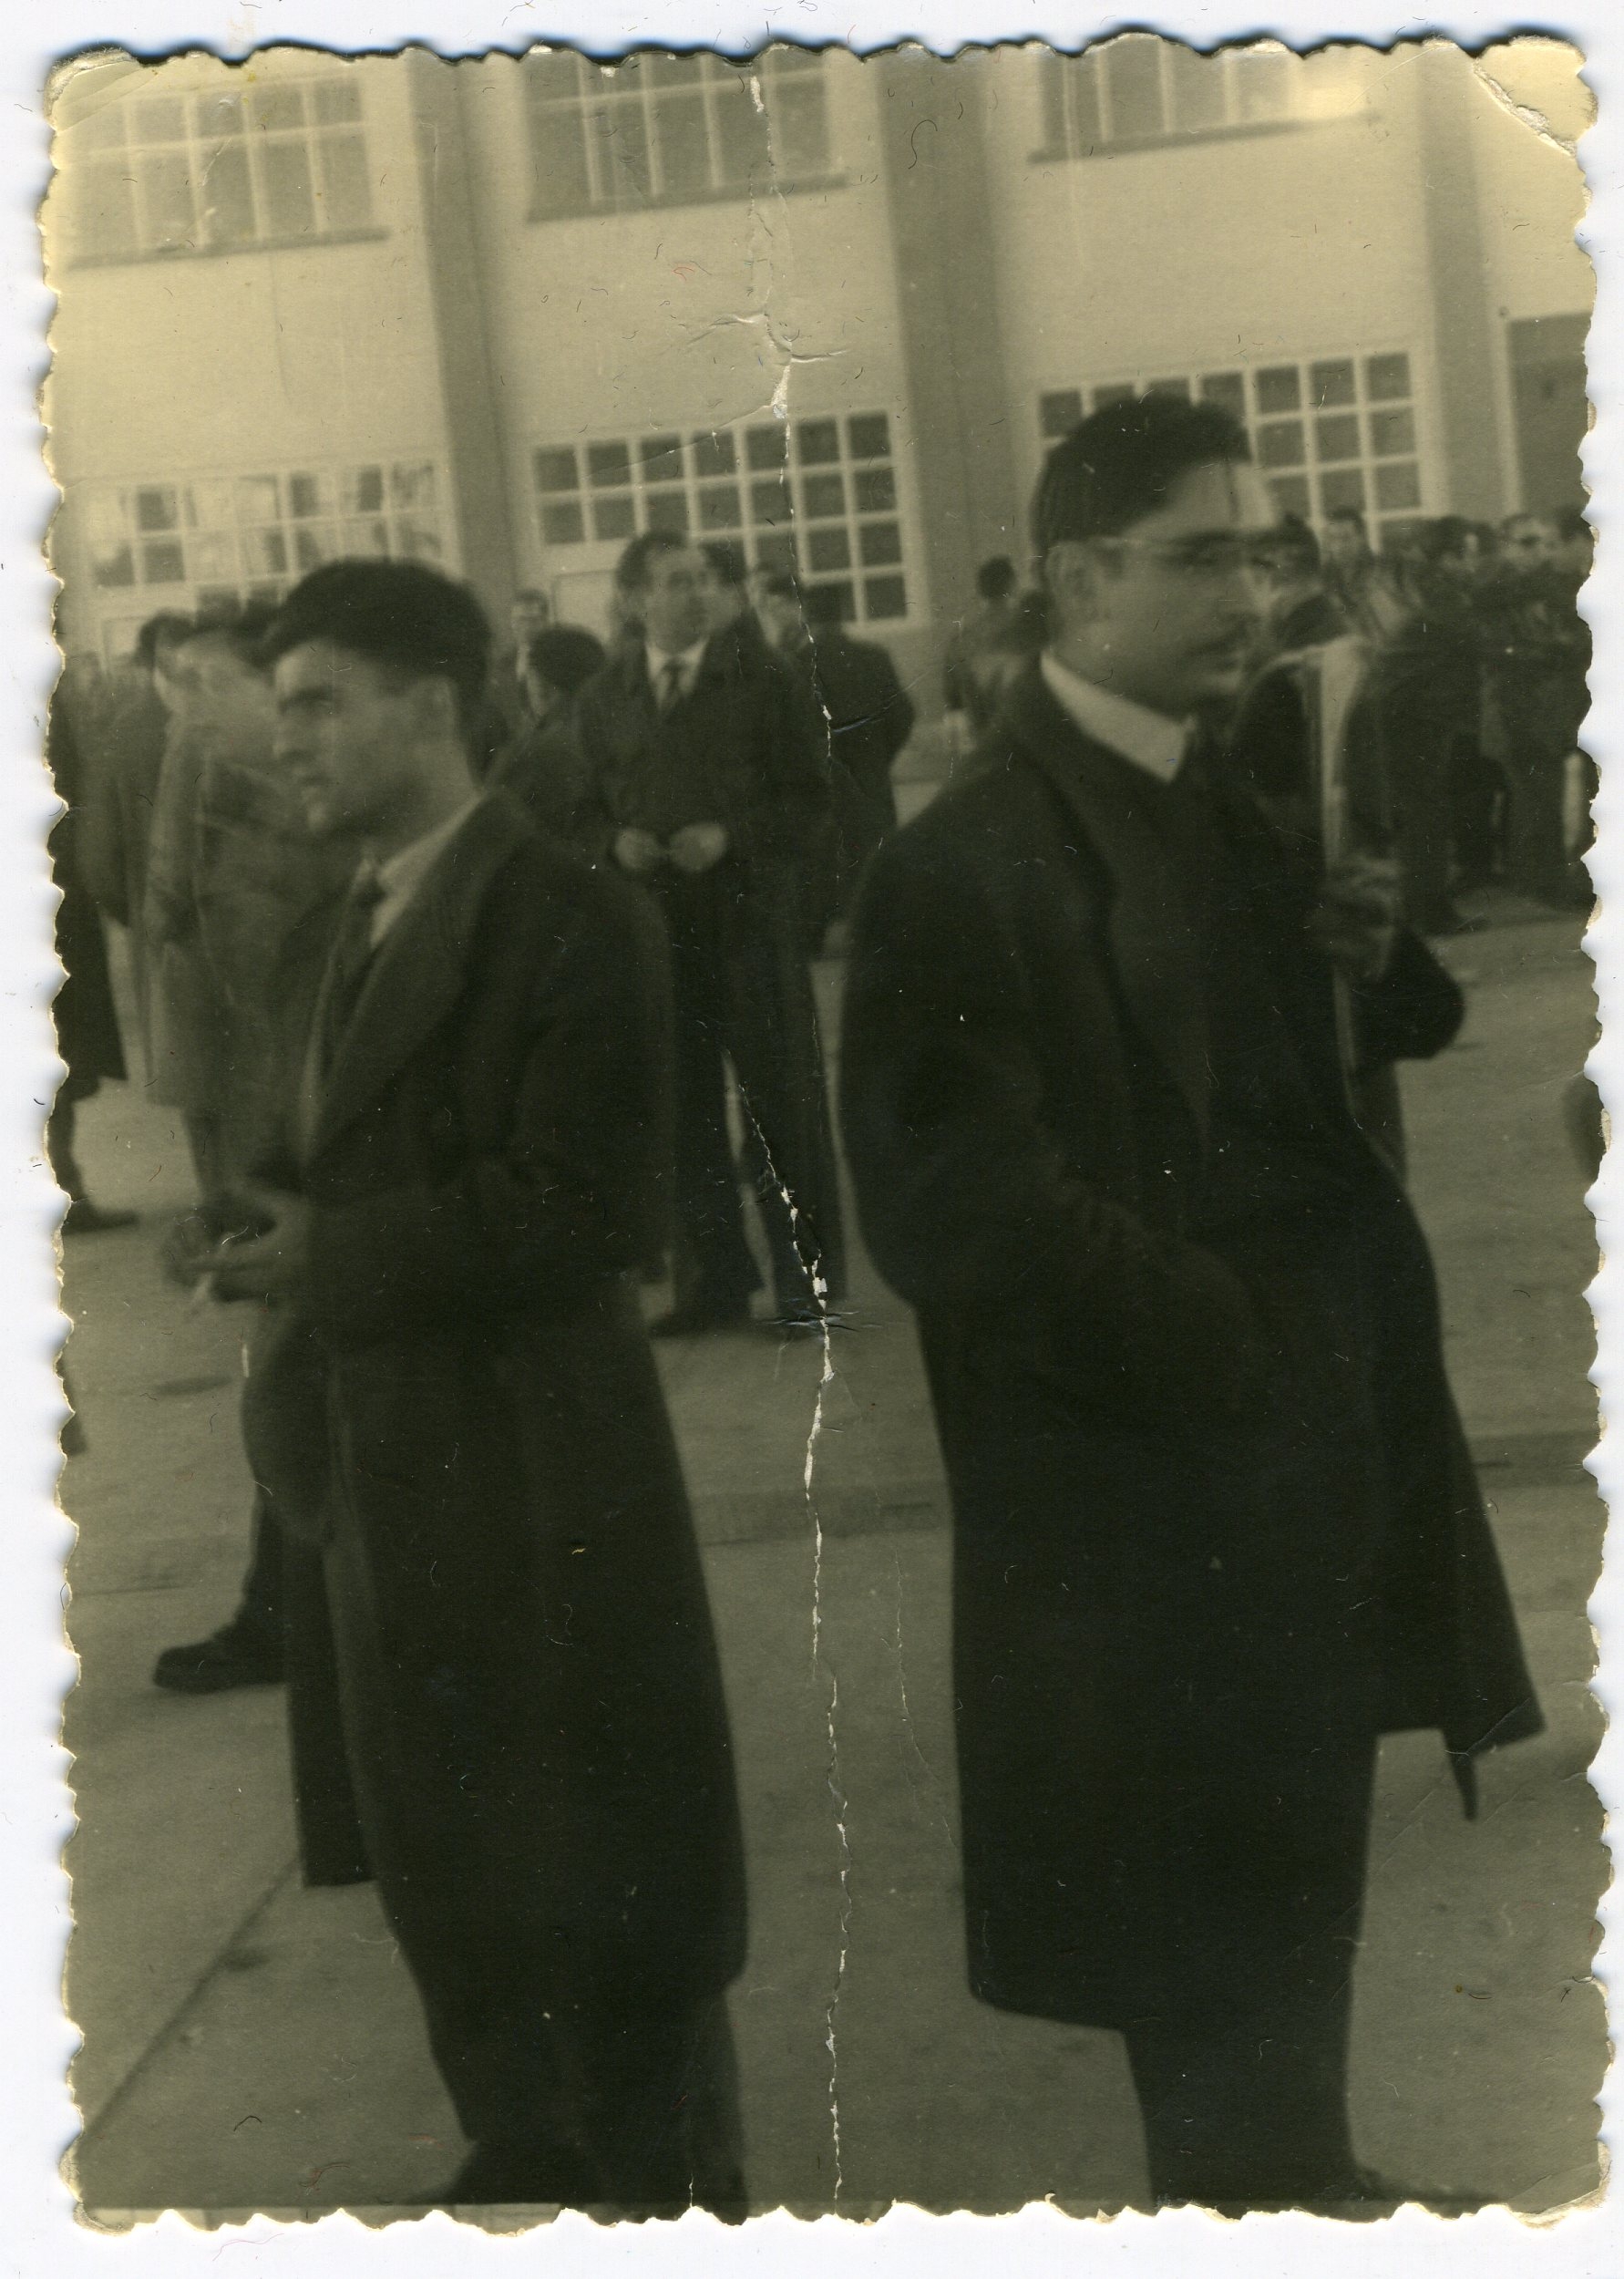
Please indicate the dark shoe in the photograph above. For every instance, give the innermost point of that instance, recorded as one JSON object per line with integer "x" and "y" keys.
{"x": 699, "y": 1321}
{"x": 233, "y": 1656}
{"x": 85, "y": 1217}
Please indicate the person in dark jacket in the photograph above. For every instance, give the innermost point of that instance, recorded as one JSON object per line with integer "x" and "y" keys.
{"x": 975, "y": 666}
{"x": 86, "y": 1016}
{"x": 1428, "y": 680}
{"x": 1215, "y": 1528}
{"x": 502, "y": 1649}
{"x": 866, "y": 716}
{"x": 712, "y": 782}
{"x": 1538, "y": 652}
{"x": 1302, "y": 612}
{"x": 543, "y": 768}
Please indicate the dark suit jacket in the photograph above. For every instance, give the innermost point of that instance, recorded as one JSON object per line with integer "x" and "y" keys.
{"x": 1190, "y": 1532}
{"x": 533, "y": 1715}
{"x": 738, "y": 750}
{"x": 869, "y": 711}
{"x": 544, "y": 770}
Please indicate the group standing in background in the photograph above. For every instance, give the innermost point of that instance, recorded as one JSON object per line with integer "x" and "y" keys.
{"x": 1474, "y": 662}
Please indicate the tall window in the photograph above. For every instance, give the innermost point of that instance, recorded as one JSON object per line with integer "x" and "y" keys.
{"x": 815, "y": 496}
{"x": 1144, "y": 88}
{"x": 671, "y": 129}
{"x": 273, "y": 163}
{"x": 1337, "y": 432}
{"x": 190, "y": 545}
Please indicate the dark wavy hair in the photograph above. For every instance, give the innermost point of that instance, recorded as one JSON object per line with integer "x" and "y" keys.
{"x": 1121, "y": 463}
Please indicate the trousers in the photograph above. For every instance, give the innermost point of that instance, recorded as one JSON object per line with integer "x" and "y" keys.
{"x": 743, "y": 999}
{"x": 1241, "y": 2065}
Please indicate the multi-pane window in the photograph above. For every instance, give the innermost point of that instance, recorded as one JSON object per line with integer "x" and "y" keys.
{"x": 196, "y": 543}
{"x": 816, "y": 496}
{"x": 1336, "y": 431}
{"x": 267, "y": 162}
{"x": 1145, "y": 88}
{"x": 671, "y": 129}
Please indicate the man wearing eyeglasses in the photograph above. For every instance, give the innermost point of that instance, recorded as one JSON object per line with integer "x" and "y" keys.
{"x": 1215, "y": 1525}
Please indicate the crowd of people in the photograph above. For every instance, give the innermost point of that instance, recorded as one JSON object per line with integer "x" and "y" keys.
{"x": 452, "y": 965}
{"x": 1473, "y": 656}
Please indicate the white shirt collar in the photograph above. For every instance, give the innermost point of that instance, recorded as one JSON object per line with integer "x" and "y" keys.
{"x": 1149, "y": 739}
{"x": 688, "y": 659}
{"x": 400, "y": 876}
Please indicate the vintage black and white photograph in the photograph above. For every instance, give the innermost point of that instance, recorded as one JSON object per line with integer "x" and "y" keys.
{"x": 823, "y": 893}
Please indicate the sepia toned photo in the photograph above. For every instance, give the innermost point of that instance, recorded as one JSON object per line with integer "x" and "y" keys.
{"x": 823, "y": 893}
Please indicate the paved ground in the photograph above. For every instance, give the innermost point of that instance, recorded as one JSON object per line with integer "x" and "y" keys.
{"x": 251, "y": 2046}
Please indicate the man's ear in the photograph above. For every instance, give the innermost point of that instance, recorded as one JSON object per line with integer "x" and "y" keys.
{"x": 1072, "y": 572}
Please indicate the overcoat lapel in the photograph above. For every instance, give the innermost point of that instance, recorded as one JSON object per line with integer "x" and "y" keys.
{"x": 1151, "y": 930}
{"x": 420, "y": 968}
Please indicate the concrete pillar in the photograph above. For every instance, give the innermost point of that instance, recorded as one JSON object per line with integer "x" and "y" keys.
{"x": 480, "y": 504}
{"x": 1469, "y": 349}
{"x": 931, "y": 129}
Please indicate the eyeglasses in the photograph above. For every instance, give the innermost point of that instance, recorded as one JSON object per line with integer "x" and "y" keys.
{"x": 1214, "y": 554}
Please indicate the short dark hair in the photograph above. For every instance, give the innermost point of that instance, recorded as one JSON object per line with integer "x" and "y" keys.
{"x": 401, "y": 614}
{"x": 1353, "y": 516}
{"x": 781, "y": 586}
{"x": 162, "y": 632}
{"x": 1293, "y": 543}
{"x": 727, "y": 560}
{"x": 244, "y": 626}
{"x": 1573, "y": 522}
{"x": 631, "y": 571}
{"x": 1121, "y": 463}
{"x": 1444, "y": 538}
{"x": 564, "y": 657}
{"x": 995, "y": 580}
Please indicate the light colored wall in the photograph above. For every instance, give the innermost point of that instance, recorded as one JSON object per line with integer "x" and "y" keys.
{"x": 1292, "y": 242}
{"x": 1531, "y": 184}
{"x": 685, "y": 317}
{"x": 215, "y": 364}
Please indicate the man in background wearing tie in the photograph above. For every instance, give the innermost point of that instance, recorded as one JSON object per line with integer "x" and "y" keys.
{"x": 714, "y": 779}
{"x": 500, "y": 1646}
{"x": 1216, "y": 1524}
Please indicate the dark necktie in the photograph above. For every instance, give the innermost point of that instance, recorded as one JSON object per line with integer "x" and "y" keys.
{"x": 671, "y": 682}
{"x": 348, "y": 961}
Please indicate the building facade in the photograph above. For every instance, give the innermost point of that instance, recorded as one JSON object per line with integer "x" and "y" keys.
{"x": 503, "y": 313}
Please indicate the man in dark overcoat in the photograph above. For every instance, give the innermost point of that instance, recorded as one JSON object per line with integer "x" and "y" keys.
{"x": 1216, "y": 1527}
{"x": 866, "y": 716}
{"x": 455, "y": 1396}
{"x": 713, "y": 782}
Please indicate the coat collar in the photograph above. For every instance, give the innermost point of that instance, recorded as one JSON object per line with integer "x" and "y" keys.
{"x": 421, "y": 965}
{"x": 723, "y": 659}
{"x": 1150, "y": 929}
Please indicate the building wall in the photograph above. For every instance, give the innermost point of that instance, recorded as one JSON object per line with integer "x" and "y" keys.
{"x": 1250, "y": 248}
{"x": 685, "y": 318}
{"x": 939, "y": 271}
{"x": 259, "y": 361}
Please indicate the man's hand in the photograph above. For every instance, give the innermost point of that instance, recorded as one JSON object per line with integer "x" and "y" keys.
{"x": 1357, "y": 922}
{"x": 271, "y": 1265}
{"x": 698, "y": 847}
{"x": 638, "y": 851}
